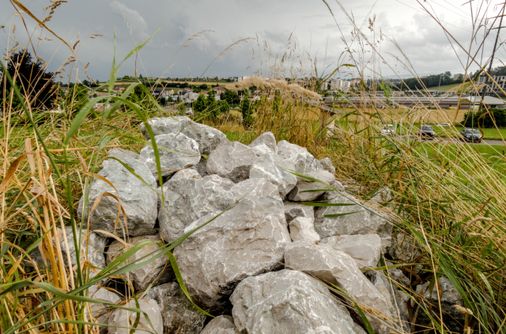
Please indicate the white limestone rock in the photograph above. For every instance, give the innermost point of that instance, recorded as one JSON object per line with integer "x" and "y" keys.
{"x": 176, "y": 152}
{"x": 365, "y": 249}
{"x": 134, "y": 192}
{"x": 148, "y": 315}
{"x": 288, "y": 301}
{"x": 302, "y": 229}
{"x": 207, "y": 137}
{"x": 246, "y": 240}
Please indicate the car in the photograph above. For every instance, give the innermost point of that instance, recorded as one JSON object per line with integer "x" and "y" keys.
{"x": 388, "y": 130}
{"x": 471, "y": 135}
{"x": 427, "y": 132}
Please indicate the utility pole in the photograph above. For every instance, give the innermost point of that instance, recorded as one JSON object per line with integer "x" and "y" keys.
{"x": 489, "y": 70}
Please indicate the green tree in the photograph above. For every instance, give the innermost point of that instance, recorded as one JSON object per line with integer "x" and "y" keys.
{"x": 231, "y": 97}
{"x": 247, "y": 114}
{"x": 29, "y": 75}
{"x": 200, "y": 104}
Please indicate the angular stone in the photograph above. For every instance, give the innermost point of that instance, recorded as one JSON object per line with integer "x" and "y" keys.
{"x": 222, "y": 324}
{"x": 312, "y": 187}
{"x": 101, "y": 312}
{"x": 293, "y": 210}
{"x": 187, "y": 197}
{"x": 269, "y": 168}
{"x": 333, "y": 266}
{"x": 91, "y": 248}
{"x": 267, "y": 139}
{"x": 302, "y": 229}
{"x": 382, "y": 197}
{"x": 176, "y": 151}
{"x": 150, "y": 273}
{"x": 298, "y": 158}
{"x": 328, "y": 165}
{"x": 365, "y": 249}
{"x": 136, "y": 193}
{"x": 149, "y": 318}
{"x": 288, "y": 301}
{"x": 207, "y": 137}
{"x": 246, "y": 240}
{"x": 349, "y": 216}
{"x": 232, "y": 160}
{"x": 449, "y": 294}
{"x": 179, "y": 316}
{"x": 404, "y": 248}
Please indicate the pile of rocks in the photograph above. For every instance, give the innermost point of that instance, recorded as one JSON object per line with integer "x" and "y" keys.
{"x": 253, "y": 239}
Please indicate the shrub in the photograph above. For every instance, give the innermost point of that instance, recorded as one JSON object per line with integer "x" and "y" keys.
{"x": 485, "y": 119}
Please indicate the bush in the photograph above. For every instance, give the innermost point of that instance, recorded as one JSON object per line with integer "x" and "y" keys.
{"x": 485, "y": 119}
{"x": 30, "y": 77}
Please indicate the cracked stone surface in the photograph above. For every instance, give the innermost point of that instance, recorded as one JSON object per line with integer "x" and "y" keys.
{"x": 288, "y": 301}
{"x": 135, "y": 191}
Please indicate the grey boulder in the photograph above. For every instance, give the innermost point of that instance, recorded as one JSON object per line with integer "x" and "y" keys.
{"x": 232, "y": 160}
{"x": 150, "y": 254}
{"x": 270, "y": 167}
{"x": 147, "y": 317}
{"x": 246, "y": 240}
{"x": 294, "y": 210}
{"x": 91, "y": 248}
{"x": 223, "y": 324}
{"x": 126, "y": 196}
{"x": 176, "y": 152}
{"x": 265, "y": 140}
{"x": 302, "y": 229}
{"x": 100, "y": 310}
{"x": 311, "y": 185}
{"x": 347, "y": 216}
{"x": 288, "y": 301}
{"x": 365, "y": 249}
{"x": 188, "y": 197}
{"x": 179, "y": 316}
{"x": 207, "y": 137}
{"x": 335, "y": 267}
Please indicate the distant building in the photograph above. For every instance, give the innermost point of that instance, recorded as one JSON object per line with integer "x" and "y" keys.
{"x": 496, "y": 85}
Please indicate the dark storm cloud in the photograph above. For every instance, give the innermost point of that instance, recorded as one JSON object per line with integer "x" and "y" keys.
{"x": 236, "y": 37}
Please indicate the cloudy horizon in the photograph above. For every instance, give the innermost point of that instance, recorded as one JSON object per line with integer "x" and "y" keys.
{"x": 227, "y": 38}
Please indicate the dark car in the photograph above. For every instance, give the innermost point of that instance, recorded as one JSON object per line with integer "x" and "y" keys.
{"x": 471, "y": 135}
{"x": 427, "y": 132}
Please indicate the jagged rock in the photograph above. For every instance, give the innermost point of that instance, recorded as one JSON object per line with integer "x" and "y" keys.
{"x": 302, "y": 229}
{"x": 312, "y": 176}
{"x": 349, "y": 216}
{"x": 266, "y": 139}
{"x": 207, "y": 137}
{"x": 288, "y": 301}
{"x": 333, "y": 266}
{"x": 136, "y": 193}
{"x": 298, "y": 158}
{"x": 176, "y": 151}
{"x": 91, "y": 248}
{"x": 293, "y": 210}
{"x": 101, "y": 312}
{"x": 232, "y": 160}
{"x": 309, "y": 189}
{"x": 223, "y": 324}
{"x": 149, "y": 318}
{"x": 365, "y": 249}
{"x": 404, "y": 248}
{"x": 397, "y": 297}
{"x": 328, "y": 165}
{"x": 179, "y": 316}
{"x": 268, "y": 167}
{"x": 246, "y": 240}
{"x": 141, "y": 277}
{"x": 397, "y": 275}
{"x": 188, "y": 197}
{"x": 383, "y": 196}
{"x": 447, "y": 291}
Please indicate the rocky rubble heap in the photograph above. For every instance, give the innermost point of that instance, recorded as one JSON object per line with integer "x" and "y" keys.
{"x": 251, "y": 245}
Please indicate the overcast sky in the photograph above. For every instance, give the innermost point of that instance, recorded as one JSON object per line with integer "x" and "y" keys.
{"x": 244, "y": 37}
